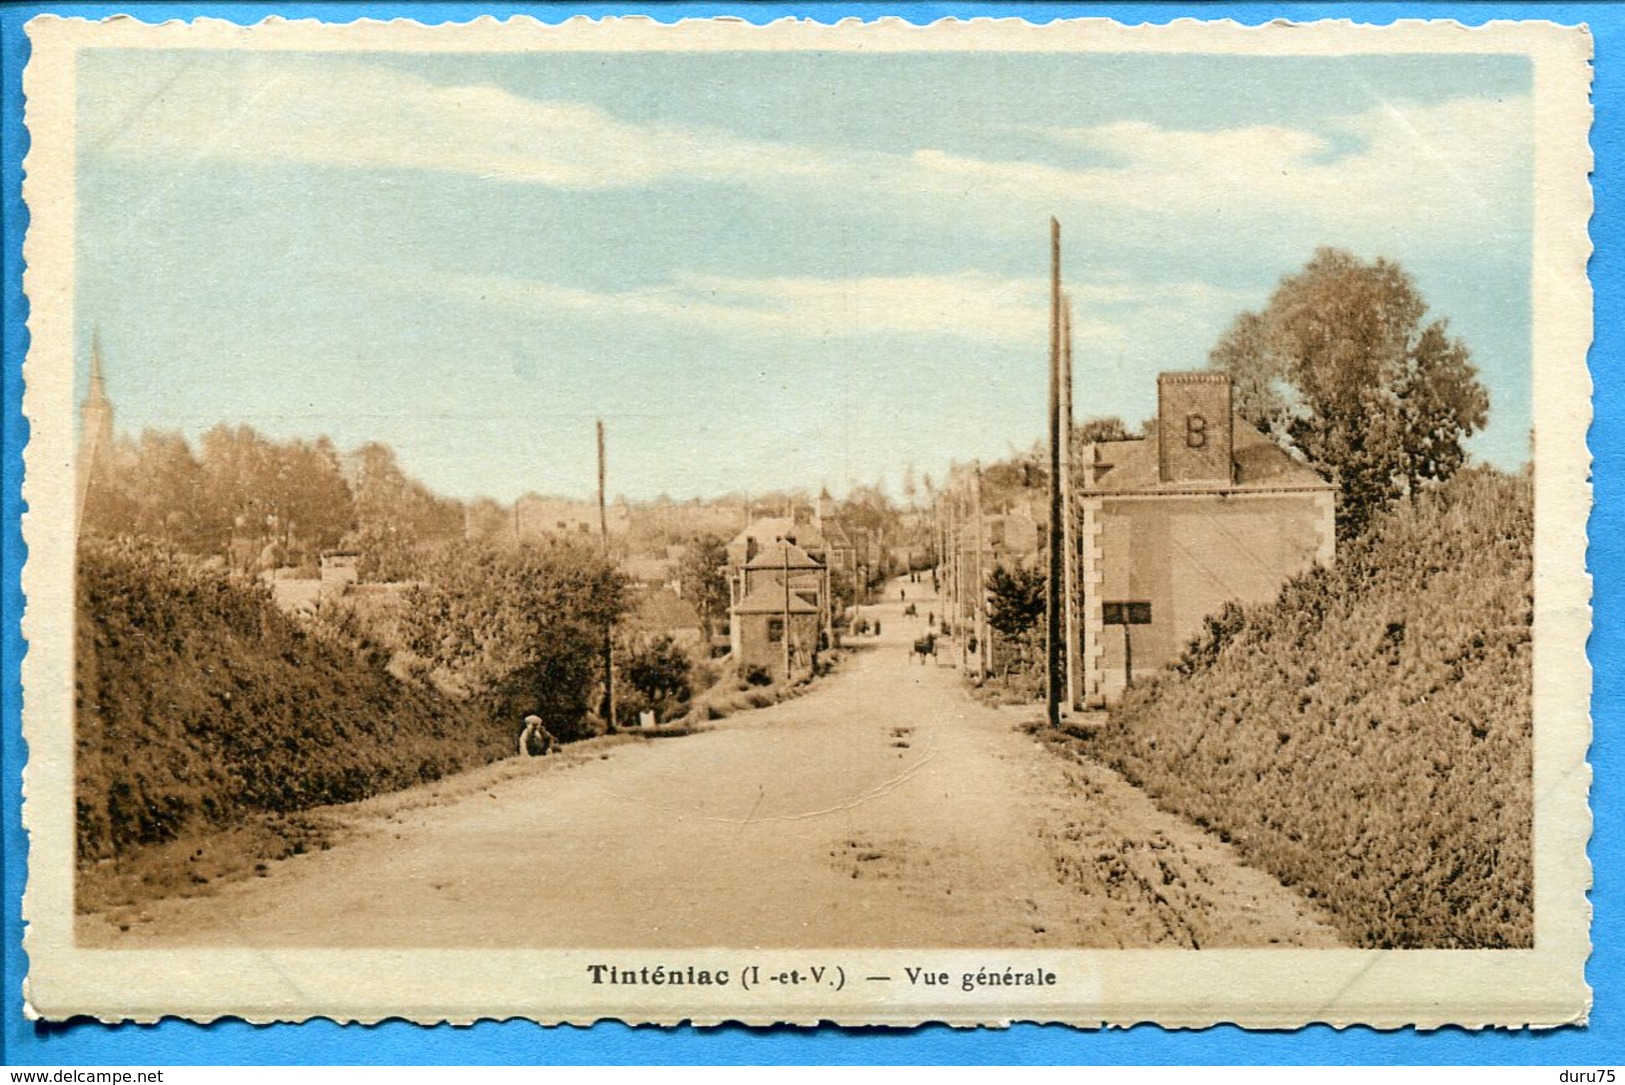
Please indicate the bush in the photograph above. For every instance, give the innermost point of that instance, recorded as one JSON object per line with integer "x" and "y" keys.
{"x": 1367, "y": 738}
{"x": 661, "y": 671}
{"x": 757, "y": 675}
{"x": 521, "y": 627}
{"x": 199, "y": 703}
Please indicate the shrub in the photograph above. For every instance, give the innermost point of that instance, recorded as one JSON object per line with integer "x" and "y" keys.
{"x": 521, "y": 627}
{"x": 199, "y": 703}
{"x": 1367, "y": 737}
{"x": 660, "y": 672}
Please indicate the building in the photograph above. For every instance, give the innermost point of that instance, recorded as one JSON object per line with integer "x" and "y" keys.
{"x": 760, "y": 583}
{"x": 767, "y": 530}
{"x": 655, "y": 570}
{"x": 561, "y": 517}
{"x": 659, "y": 612}
{"x": 1203, "y": 511}
{"x": 840, "y": 552}
{"x": 1014, "y": 537}
{"x": 780, "y": 560}
{"x": 760, "y": 622}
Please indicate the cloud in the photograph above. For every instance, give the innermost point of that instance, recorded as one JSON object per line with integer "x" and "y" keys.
{"x": 970, "y": 305}
{"x": 1443, "y": 167}
{"x": 1447, "y": 166}
{"x": 278, "y": 109}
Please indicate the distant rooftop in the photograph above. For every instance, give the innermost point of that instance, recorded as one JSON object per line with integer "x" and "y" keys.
{"x": 779, "y": 555}
{"x": 767, "y": 529}
{"x": 660, "y": 610}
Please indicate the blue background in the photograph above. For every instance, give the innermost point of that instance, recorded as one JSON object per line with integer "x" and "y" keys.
{"x": 175, "y": 1042}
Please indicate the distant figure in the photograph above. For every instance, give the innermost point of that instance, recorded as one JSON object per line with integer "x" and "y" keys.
{"x": 535, "y": 729}
{"x": 902, "y": 595}
{"x": 925, "y": 646}
{"x": 930, "y": 619}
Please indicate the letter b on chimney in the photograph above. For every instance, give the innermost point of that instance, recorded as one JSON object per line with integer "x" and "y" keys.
{"x": 1194, "y": 428}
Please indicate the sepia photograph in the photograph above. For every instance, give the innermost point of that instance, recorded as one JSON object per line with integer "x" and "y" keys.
{"x": 883, "y": 524}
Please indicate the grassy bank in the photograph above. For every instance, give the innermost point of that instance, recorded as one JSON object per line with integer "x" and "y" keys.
{"x": 201, "y": 707}
{"x": 1367, "y": 738}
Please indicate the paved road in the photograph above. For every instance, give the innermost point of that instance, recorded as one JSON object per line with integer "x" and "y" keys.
{"x": 885, "y": 809}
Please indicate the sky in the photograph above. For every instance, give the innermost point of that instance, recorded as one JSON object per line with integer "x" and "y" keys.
{"x": 762, "y": 270}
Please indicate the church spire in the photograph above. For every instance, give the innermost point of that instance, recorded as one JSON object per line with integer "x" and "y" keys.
{"x": 98, "y": 390}
{"x": 95, "y": 424}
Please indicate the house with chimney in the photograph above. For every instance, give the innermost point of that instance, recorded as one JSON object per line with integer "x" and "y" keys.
{"x": 777, "y": 577}
{"x": 771, "y": 627}
{"x": 1202, "y": 511}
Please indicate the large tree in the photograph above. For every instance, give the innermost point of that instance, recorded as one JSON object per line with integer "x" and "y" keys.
{"x": 1344, "y": 366}
{"x": 280, "y": 491}
{"x": 395, "y": 514}
{"x": 661, "y": 675}
{"x": 1015, "y": 599}
{"x": 1015, "y": 607}
{"x": 520, "y": 625}
{"x": 702, "y": 575}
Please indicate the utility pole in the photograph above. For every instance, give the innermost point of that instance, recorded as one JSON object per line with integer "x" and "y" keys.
{"x": 1069, "y": 528}
{"x": 609, "y": 626}
{"x": 785, "y": 549}
{"x": 826, "y": 595}
{"x": 980, "y": 626}
{"x": 1054, "y": 634}
{"x": 956, "y": 543}
{"x": 939, "y": 576}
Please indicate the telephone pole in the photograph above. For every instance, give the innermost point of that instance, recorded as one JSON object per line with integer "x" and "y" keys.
{"x": 609, "y": 626}
{"x": 1054, "y": 634}
{"x": 1068, "y": 525}
{"x": 960, "y": 578}
{"x": 980, "y": 626}
{"x": 785, "y": 632}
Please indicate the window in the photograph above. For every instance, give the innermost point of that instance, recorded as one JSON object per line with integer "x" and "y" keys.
{"x": 775, "y": 630}
{"x": 1125, "y": 613}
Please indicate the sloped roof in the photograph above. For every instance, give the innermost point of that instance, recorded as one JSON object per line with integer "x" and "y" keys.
{"x": 1260, "y": 464}
{"x": 768, "y": 598}
{"x": 660, "y": 610}
{"x": 772, "y": 556}
{"x": 835, "y": 535}
{"x": 769, "y": 529}
{"x": 649, "y": 568}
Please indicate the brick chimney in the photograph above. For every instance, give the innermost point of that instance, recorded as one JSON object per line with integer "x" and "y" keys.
{"x": 1194, "y": 427}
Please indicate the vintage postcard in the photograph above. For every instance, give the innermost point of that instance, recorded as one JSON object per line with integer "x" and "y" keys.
{"x": 869, "y": 523}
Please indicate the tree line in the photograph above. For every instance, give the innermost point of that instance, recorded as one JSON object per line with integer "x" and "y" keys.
{"x": 261, "y": 503}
